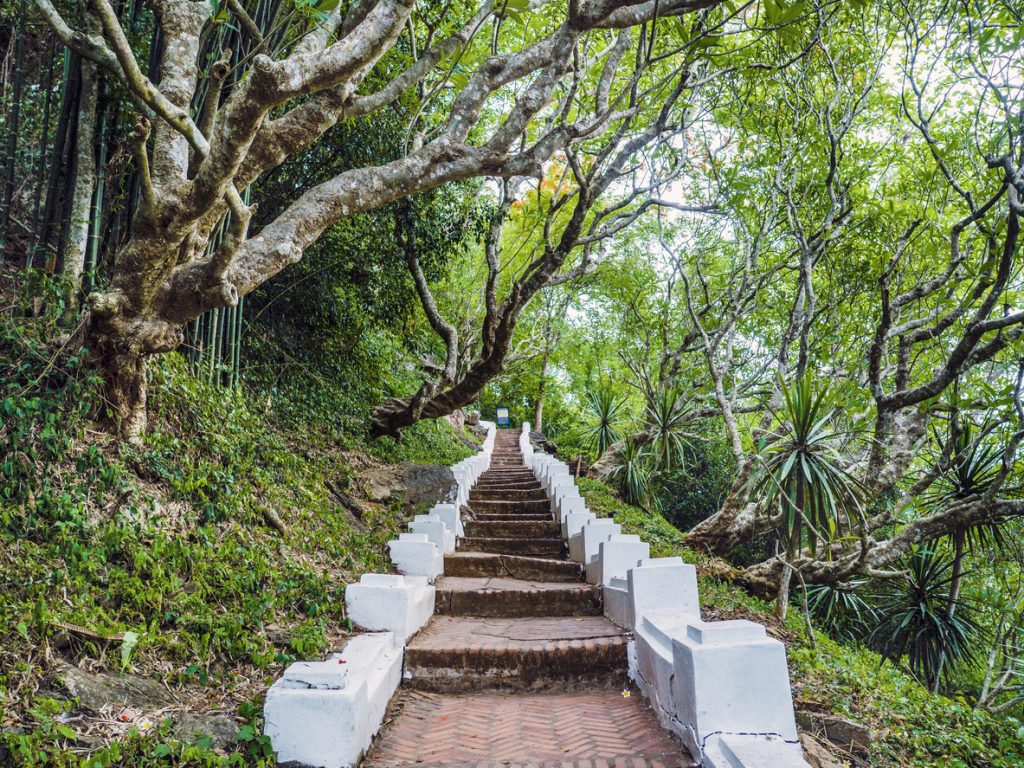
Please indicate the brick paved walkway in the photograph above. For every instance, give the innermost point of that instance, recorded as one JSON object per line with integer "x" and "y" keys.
{"x": 519, "y": 669}
{"x": 575, "y": 729}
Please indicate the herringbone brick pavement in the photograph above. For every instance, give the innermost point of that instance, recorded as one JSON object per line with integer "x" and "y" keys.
{"x": 551, "y": 730}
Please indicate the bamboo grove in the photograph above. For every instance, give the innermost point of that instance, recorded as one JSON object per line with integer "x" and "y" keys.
{"x": 70, "y": 189}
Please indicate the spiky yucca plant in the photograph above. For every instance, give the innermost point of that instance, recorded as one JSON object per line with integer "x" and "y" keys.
{"x": 802, "y": 477}
{"x": 667, "y": 418}
{"x": 914, "y": 621}
{"x": 632, "y": 474}
{"x": 844, "y": 613}
{"x": 605, "y": 411}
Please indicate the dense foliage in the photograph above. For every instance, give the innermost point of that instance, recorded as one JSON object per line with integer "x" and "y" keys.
{"x": 753, "y": 267}
{"x": 173, "y": 542}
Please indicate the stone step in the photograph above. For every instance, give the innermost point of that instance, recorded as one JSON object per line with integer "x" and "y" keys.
{"x": 469, "y": 654}
{"x": 507, "y": 494}
{"x": 491, "y": 506}
{"x": 511, "y": 598}
{"x": 512, "y": 566}
{"x": 510, "y": 546}
{"x": 525, "y": 476}
{"x": 487, "y": 491}
{"x": 511, "y": 474}
{"x": 499, "y": 516}
{"x": 514, "y": 529}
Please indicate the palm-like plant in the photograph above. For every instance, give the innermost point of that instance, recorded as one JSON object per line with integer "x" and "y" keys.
{"x": 632, "y": 473}
{"x": 802, "y": 477}
{"x": 605, "y": 411}
{"x": 975, "y": 466}
{"x": 667, "y": 418}
{"x": 915, "y": 623}
{"x": 844, "y": 613}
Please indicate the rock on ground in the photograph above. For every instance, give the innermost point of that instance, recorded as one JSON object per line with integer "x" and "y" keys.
{"x": 95, "y": 691}
{"x": 221, "y": 730}
{"x": 412, "y": 483}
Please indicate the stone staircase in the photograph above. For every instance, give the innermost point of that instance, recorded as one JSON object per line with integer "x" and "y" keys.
{"x": 492, "y": 646}
{"x": 518, "y": 667}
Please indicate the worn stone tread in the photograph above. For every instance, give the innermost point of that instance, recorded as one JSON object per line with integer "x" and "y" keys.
{"x": 503, "y": 545}
{"x": 489, "y": 565}
{"x": 514, "y": 529}
{"x": 501, "y": 597}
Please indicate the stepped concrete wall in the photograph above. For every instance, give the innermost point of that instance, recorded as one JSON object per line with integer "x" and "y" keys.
{"x": 722, "y": 687}
{"x": 326, "y": 713}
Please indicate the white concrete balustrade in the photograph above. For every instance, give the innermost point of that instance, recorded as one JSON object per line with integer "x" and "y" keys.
{"x": 437, "y": 532}
{"x": 662, "y": 585}
{"x": 731, "y": 680}
{"x": 386, "y": 602}
{"x": 723, "y": 687}
{"x": 326, "y": 713}
{"x": 414, "y": 554}
{"x": 615, "y": 556}
{"x": 585, "y": 545}
{"x": 449, "y": 514}
{"x": 574, "y": 521}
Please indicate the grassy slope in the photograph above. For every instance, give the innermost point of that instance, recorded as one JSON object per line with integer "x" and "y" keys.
{"x": 914, "y": 728}
{"x": 171, "y": 541}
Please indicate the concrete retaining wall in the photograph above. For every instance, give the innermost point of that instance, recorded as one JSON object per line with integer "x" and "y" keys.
{"x": 326, "y": 713}
{"x": 722, "y": 687}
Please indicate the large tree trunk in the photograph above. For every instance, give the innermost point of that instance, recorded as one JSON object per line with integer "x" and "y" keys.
{"x": 85, "y": 178}
{"x": 124, "y": 328}
{"x": 782, "y": 598}
{"x": 538, "y": 408}
{"x": 394, "y": 415}
{"x": 124, "y": 388}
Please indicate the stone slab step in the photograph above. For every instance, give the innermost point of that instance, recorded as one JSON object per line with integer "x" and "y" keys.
{"x": 492, "y": 505}
{"x": 512, "y": 566}
{"x": 507, "y": 494}
{"x": 498, "y": 517}
{"x": 469, "y": 654}
{"x": 510, "y": 598}
{"x": 525, "y": 730}
{"x": 511, "y": 546}
{"x": 514, "y": 529}
{"x": 501, "y": 493}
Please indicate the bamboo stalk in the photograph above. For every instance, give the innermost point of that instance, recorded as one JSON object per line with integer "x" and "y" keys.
{"x": 92, "y": 258}
{"x": 44, "y": 146}
{"x": 12, "y": 133}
